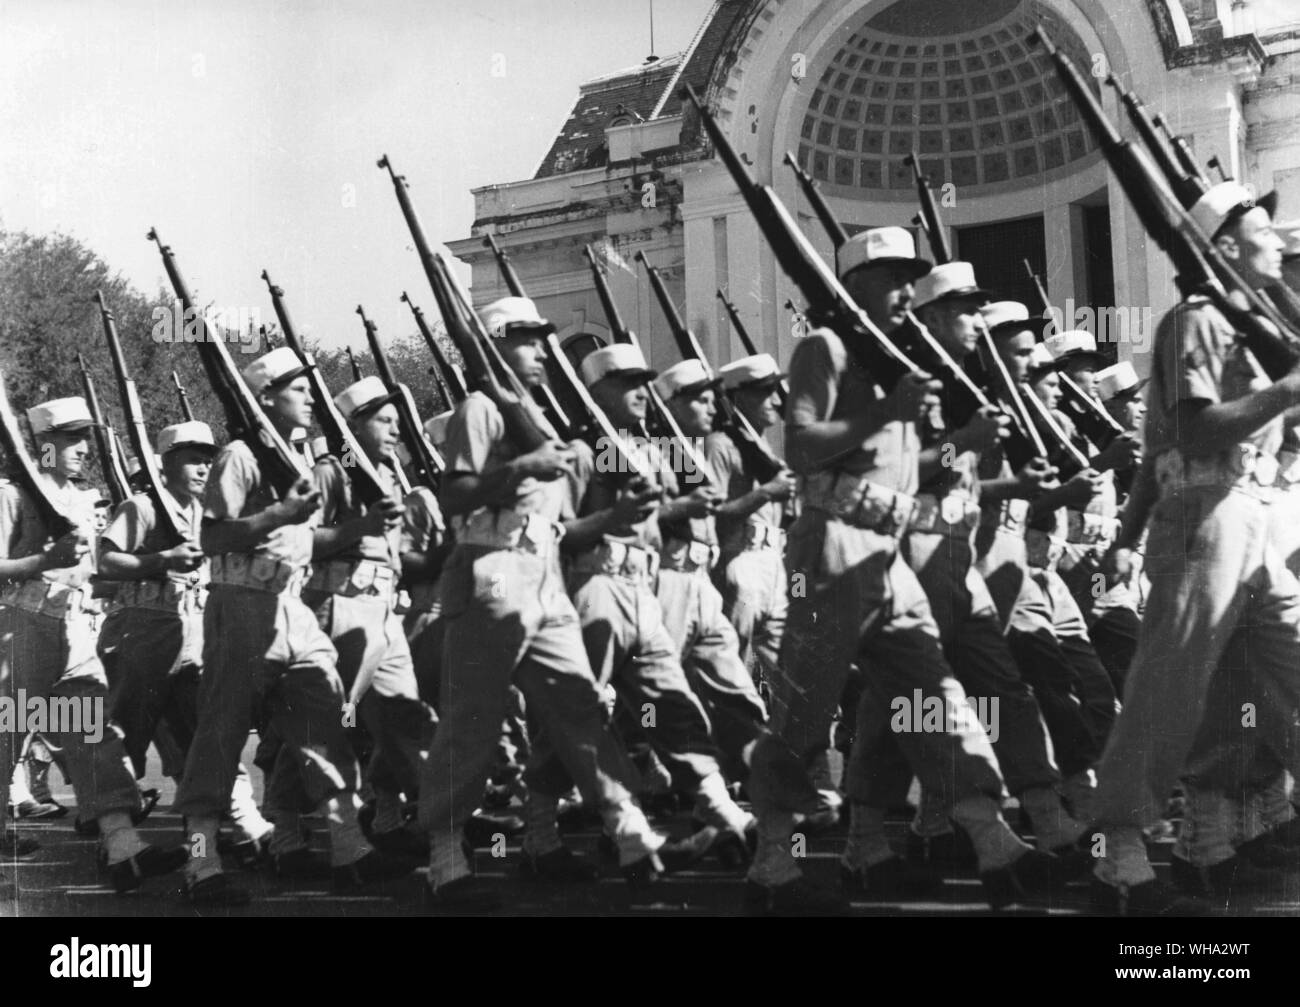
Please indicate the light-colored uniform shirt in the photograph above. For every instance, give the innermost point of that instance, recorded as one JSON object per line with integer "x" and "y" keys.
{"x": 735, "y": 480}
{"x": 135, "y": 529}
{"x": 339, "y": 504}
{"x": 24, "y": 533}
{"x": 237, "y": 489}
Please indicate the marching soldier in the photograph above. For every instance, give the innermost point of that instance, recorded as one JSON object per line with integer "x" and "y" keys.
{"x": 353, "y": 590}
{"x": 616, "y": 544}
{"x": 47, "y": 644}
{"x": 507, "y": 618}
{"x": 750, "y": 571}
{"x": 152, "y": 642}
{"x": 264, "y": 654}
{"x": 1213, "y": 429}
{"x": 857, "y": 449}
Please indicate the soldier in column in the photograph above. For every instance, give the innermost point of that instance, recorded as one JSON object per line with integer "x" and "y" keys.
{"x": 856, "y": 447}
{"x": 47, "y": 645}
{"x": 152, "y": 642}
{"x": 266, "y": 661}
{"x": 508, "y": 620}
{"x": 615, "y": 543}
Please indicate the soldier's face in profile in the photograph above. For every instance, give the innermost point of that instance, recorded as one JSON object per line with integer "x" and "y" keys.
{"x": 1253, "y": 248}
{"x": 883, "y": 291}
{"x": 623, "y": 398}
{"x": 1128, "y": 411}
{"x": 70, "y": 450}
{"x": 1016, "y": 350}
{"x": 695, "y": 412}
{"x": 186, "y": 470}
{"x": 954, "y": 322}
{"x": 1047, "y": 386}
{"x": 761, "y": 405}
{"x": 378, "y": 431}
{"x": 290, "y": 403}
{"x": 1083, "y": 372}
{"x": 525, "y": 354}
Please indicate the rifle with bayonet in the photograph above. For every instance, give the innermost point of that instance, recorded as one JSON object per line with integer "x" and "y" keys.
{"x": 281, "y": 466}
{"x": 764, "y": 461}
{"x": 447, "y": 376}
{"x": 527, "y": 427}
{"x": 425, "y": 460}
{"x": 1200, "y": 265}
{"x": 365, "y": 478}
{"x": 660, "y": 416}
{"x": 111, "y": 459}
{"x": 165, "y": 506}
{"x": 187, "y": 411}
{"x": 58, "y": 522}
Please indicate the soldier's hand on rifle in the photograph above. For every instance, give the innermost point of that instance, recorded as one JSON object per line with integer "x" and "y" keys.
{"x": 988, "y": 426}
{"x": 550, "y": 461}
{"x": 1117, "y": 565}
{"x": 1122, "y": 453}
{"x": 700, "y": 502}
{"x": 1036, "y": 475}
{"x": 300, "y": 502}
{"x": 909, "y": 395}
{"x": 184, "y": 558}
{"x": 66, "y": 551}
{"x": 384, "y": 515}
{"x": 1082, "y": 486}
{"x": 780, "y": 487}
{"x": 635, "y": 503}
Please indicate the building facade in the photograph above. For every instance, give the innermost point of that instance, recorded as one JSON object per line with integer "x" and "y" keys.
{"x": 851, "y": 89}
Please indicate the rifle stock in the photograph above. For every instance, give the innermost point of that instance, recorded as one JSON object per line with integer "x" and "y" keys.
{"x": 165, "y": 510}
{"x": 245, "y": 418}
{"x": 428, "y": 463}
{"x": 1200, "y": 265}
{"x": 107, "y": 446}
{"x": 343, "y": 444}
{"x": 26, "y": 474}
{"x": 447, "y": 376}
{"x": 526, "y": 427}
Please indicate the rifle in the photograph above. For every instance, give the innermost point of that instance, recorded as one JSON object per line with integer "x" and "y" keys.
{"x": 930, "y": 213}
{"x": 446, "y": 375}
{"x": 352, "y": 362}
{"x": 1088, "y": 414}
{"x": 544, "y": 393}
{"x": 1183, "y": 153}
{"x": 245, "y": 418}
{"x": 427, "y": 462}
{"x": 164, "y": 504}
{"x": 186, "y": 410}
{"x": 817, "y": 283}
{"x": 1200, "y": 265}
{"x": 343, "y": 444}
{"x": 526, "y": 426}
{"x": 1187, "y": 188}
{"x": 783, "y": 389}
{"x": 1218, "y": 166}
{"x": 26, "y": 474}
{"x": 818, "y": 203}
{"x": 660, "y": 414}
{"x": 965, "y": 397}
{"x": 107, "y": 445}
{"x": 752, "y": 445}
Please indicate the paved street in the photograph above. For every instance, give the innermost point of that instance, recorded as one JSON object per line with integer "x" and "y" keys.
{"x": 64, "y": 881}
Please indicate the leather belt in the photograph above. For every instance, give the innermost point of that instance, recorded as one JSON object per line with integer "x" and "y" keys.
{"x": 951, "y": 515}
{"x": 261, "y": 573}
{"x": 360, "y": 578}
{"x": 619, "y": 559}
{"x": 687, "y": 556}
{"x": 1243, "y": 467}
{"x": 510, "y": 530}
{"x": 863, "y": 504}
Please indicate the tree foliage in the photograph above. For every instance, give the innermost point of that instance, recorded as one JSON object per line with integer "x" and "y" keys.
{"x": 48, "y": 316}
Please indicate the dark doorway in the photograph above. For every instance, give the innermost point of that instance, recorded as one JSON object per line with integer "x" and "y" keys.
{"x": 998, "y": 252}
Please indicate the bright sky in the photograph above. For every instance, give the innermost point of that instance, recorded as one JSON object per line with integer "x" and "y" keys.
{"x": 247, "y": 132}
